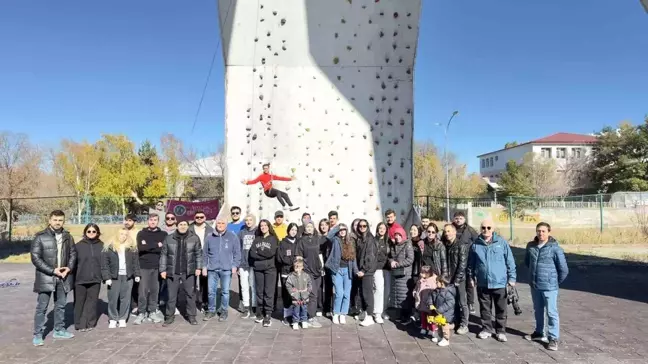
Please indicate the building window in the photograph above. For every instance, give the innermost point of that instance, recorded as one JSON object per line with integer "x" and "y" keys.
{"x": 496, "y": 158}
{"x": 577, "y": 153}
{"x": 545, "y": 152}
{"x": 483, "y": 163}
{"x": 491, "y": 161}
{"x": 561, "y": 153}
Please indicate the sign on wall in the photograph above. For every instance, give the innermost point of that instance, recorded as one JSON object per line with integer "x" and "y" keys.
{"x": 185, "y": 210}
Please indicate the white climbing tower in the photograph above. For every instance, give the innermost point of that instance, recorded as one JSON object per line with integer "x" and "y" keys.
{"x": 323, "y": 90}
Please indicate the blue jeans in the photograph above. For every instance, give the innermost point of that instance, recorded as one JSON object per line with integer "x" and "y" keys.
{"x": 40, "y": 317}
{"x": 299, "y": 313}
{"x": 342, "y": 285}
{"x": 546, "y": 301}
{"x": 213, "y": 277}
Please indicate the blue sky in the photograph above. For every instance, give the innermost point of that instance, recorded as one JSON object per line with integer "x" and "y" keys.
{"x": 516, "y": 70}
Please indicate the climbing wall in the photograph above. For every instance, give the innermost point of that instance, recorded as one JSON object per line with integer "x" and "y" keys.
{"x": 323, "y": 90}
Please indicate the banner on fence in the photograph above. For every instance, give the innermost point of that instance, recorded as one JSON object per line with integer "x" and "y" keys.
{"x": 185, "y": 210}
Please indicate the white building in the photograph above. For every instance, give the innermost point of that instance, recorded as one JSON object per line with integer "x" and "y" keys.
{"x": 559, "y": 146}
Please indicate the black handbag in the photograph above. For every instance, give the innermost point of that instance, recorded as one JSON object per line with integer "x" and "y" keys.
{"x": 400, "y": 271}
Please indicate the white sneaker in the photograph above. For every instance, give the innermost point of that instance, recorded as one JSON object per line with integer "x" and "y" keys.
{"x": 304, "y": 325}
{"x": 177, "y": 312}
{"x": 342, "y": 319}
{"x": 435, "y": 339}
{"x": 368, "y": 321}
{"x": 122, "y": 323}
{"x": 336, "y": 319}
{"x": 295, "y": 326}
{"x": 112, "y": 324}
{"x": 318, "y": 314}
{"x": 378, "y": 319}
{"x": 501, "y": 338}
{"x": 424, "y": 332}
{"x": 484, "y": 335}
{"x": 444, "y": 342}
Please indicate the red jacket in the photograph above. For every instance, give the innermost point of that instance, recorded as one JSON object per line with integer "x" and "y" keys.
{"x": 266, "y": 180}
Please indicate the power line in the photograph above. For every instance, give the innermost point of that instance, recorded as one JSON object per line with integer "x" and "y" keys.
{"x": 211, "y": 65}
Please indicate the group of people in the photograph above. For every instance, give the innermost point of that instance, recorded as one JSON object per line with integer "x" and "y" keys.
{"x": 318, "y": 269}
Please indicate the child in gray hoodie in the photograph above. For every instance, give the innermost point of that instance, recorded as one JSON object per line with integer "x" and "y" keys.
{"x": 299, "y": 285}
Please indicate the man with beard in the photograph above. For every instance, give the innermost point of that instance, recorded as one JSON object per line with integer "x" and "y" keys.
{"x": 203, "y": 230}
{"x": 236, "y": 224}
{"x": 392, "y": 225}
{"x": 466, "y": 235}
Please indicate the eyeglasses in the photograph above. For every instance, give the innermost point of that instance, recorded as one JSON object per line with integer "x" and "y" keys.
{"x": 362, "y": 226}
{"x": 199, "y": 217}
{"x": 431, "y": 232}
{"x": 486, "y": 227}
{"x": 236, "y": 213}
{"x": 91, "y": 232}
{"x": 170, "y": 218}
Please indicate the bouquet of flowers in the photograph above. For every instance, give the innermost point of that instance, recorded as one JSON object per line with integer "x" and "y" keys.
{"x": 435, "y": 317}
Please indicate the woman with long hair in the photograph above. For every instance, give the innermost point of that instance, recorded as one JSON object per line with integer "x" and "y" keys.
{"x": 262, "y": 258}
{"x": 119, "y": 268}
{"x": 433, "y": 252}
{"x": 87, "y": 278}
{"x": 285, "y": 260}
{"x": 415, "y": 233}
{"x": 308, "y": 247}
{"x": 325, "y": 297}
{"x": 355, "y": 309}
{"x": 342, "y": 265}
{"x": 382, "y": 278}
{"x": 366, "y": 251}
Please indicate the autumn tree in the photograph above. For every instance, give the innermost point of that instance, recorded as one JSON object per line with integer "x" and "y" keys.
{"x": 534, "y": 176}
{"x": 120, "y": 170}
{"x": 172, "y": 156}
{"x": 19, "y": 169}
{"x": 620, "y": 158}
{"x": 155, "y": 185}
{"x": 76, "y": 165}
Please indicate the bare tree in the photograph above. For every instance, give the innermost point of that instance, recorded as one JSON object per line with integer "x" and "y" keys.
{"x": 19, "y": 168}
{"x": 207, "y": 172}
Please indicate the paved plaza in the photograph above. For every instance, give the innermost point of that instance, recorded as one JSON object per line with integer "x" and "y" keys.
{"x": 603, "y": 312}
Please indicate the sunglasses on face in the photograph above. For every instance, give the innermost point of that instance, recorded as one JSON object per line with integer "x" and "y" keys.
{"x": 363, "y": 226}
{"x": 199, "y": 217}
{"x": 170, "y": 218}
{"x": 486, "y": 228}
{"x": 91, "y": 232}
{"x": 431, "y": 232}
{"x": 236, "y": 213}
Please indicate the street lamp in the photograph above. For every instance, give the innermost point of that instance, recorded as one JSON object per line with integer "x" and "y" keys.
{"x": 445, "y": 159}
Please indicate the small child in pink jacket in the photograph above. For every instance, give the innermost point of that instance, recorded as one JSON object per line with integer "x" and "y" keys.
{"x": 423, "y": 290}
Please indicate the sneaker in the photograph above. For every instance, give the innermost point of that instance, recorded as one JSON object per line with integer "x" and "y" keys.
{"x": 342, "y": 319}
{"x": 368, "y": 321}
{"x": 169, "y": 321}
{"x": 305, "y": 325}
{"x": 471, "y": 309}
{"x": 443, "y": 342}
{"x": 423, "y": 332}
{"x": 267, "y": 321}
{"x": 149, "y": 320}
{"x": 192, "y": 321}
{"x": 385, "y": 316}
{"x": 484, "y": 335}
{"x": 62, "y": 334}
{"x": 38, "y": 340}
{"x": 536, "y": 336}
{"x": 435, "y": 339}
{"x": 362, "y": 316}
{"x": 135, "y": 312}
{"x": 259, "y": 318}
{"x": 312, "y": 322}
{"x": 89, "y": 329}
{"x": 462, "y": 330}
{"x": 295, "y": 326}
{"x": 336, "y": 319}
{"x": 285, "y": 321}
{"x": 156, "y": 317}
{"x": 177, "y": 312}
{"x": 294, "y": 208}
{"x": 112, "y": 324}
{"x": 329, "y": 314}
{"x": 122, "y": 323}
{"x": 501, "y": 338}
{"x": 209, "y": 316}
{"x": 139, "y": 319}
{"x": 223, "y": 317}
{"x": 245, "y": 313}
{"x": 378, "y": 319}
{"x": 318, "y": 314}
{"x": 552, "y": 345}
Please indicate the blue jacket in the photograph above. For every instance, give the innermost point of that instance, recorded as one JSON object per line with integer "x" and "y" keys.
{"x": 222, "y": 251}
{"x": 333, "y": 261}
{"x": 547, "y": 265}
{"x": 492, "y": 265}
{"x": 235, "y": 227}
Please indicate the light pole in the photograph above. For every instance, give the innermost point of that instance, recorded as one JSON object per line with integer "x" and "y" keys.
{"x": 447, "y": 172}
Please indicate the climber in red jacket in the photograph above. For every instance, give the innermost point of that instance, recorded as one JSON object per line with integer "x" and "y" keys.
{"x": 266, "y": 179}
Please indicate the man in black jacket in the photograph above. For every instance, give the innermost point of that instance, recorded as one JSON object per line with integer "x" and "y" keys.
{"x": 54, "y": 255}
{"x": 367, "y": 264}
{"x": 457, "y": 256}
{"x": 149, "y": 246}
{"x": 181, "y": 261}
{"x": 467, "y": 235}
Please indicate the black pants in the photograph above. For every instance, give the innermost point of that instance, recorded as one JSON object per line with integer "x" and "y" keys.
{"x": 461, "y": 312}
{"x": 174, "y": 284}
{"x": 314, "y": 296}
{"x": 470, "y": 293}
{"x": 286, "y": 299}
{"x": 327, "y": 289}
{"x": 280, "y": 195}
{"x": 488, "y": 298}
{"x": 135, "y": 295}
{"x": 202, "y": 297}
{"x": 149, "y": 288}
{"x": 265, "y": 284}
{"x": 368, "y": 294}
{"x": 355, "y": 305}
{"x": 85, "y": 305}
{"x": 408, "y": 305}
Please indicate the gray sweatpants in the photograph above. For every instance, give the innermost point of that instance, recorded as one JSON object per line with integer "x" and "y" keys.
{"x": 119, "y": 297}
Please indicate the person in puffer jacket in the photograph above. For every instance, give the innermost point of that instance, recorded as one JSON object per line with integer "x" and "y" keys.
{"x": 401, "y": 258}
{"x": 547, "y": 270}
{"x": 491, "y": 267}
{"x": 300, "y": 287}
{"x": 285, "y": 259}
{"x": 457, "y": 257}
{"x": 443, "y": 300}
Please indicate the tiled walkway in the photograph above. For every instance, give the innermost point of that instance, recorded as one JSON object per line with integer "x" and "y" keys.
{"x": 596, "y": 328}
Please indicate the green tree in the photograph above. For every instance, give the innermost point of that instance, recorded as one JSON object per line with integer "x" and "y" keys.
{"x": 155, "y": 185}
{"x": 620, "y": 159}
{"x": 510, "y": 145}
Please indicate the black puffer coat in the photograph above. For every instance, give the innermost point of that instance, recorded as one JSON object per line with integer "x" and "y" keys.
{"x": 382, "y": 253}
{"x": 457, "y": 256}
{"x": 366, "y": 251}
{"x": 110, "y": 264}
{"x": 43, "y": 255}
{"x": 88, "y": 268}
{"x": 170, "y": 247}
{"x": 434, "y": 255}
{"x": 403, "y": 254}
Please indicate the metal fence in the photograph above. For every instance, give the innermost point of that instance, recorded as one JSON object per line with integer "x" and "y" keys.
{"x": 516, "y": 217}
{"x": 29, "y": 215}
